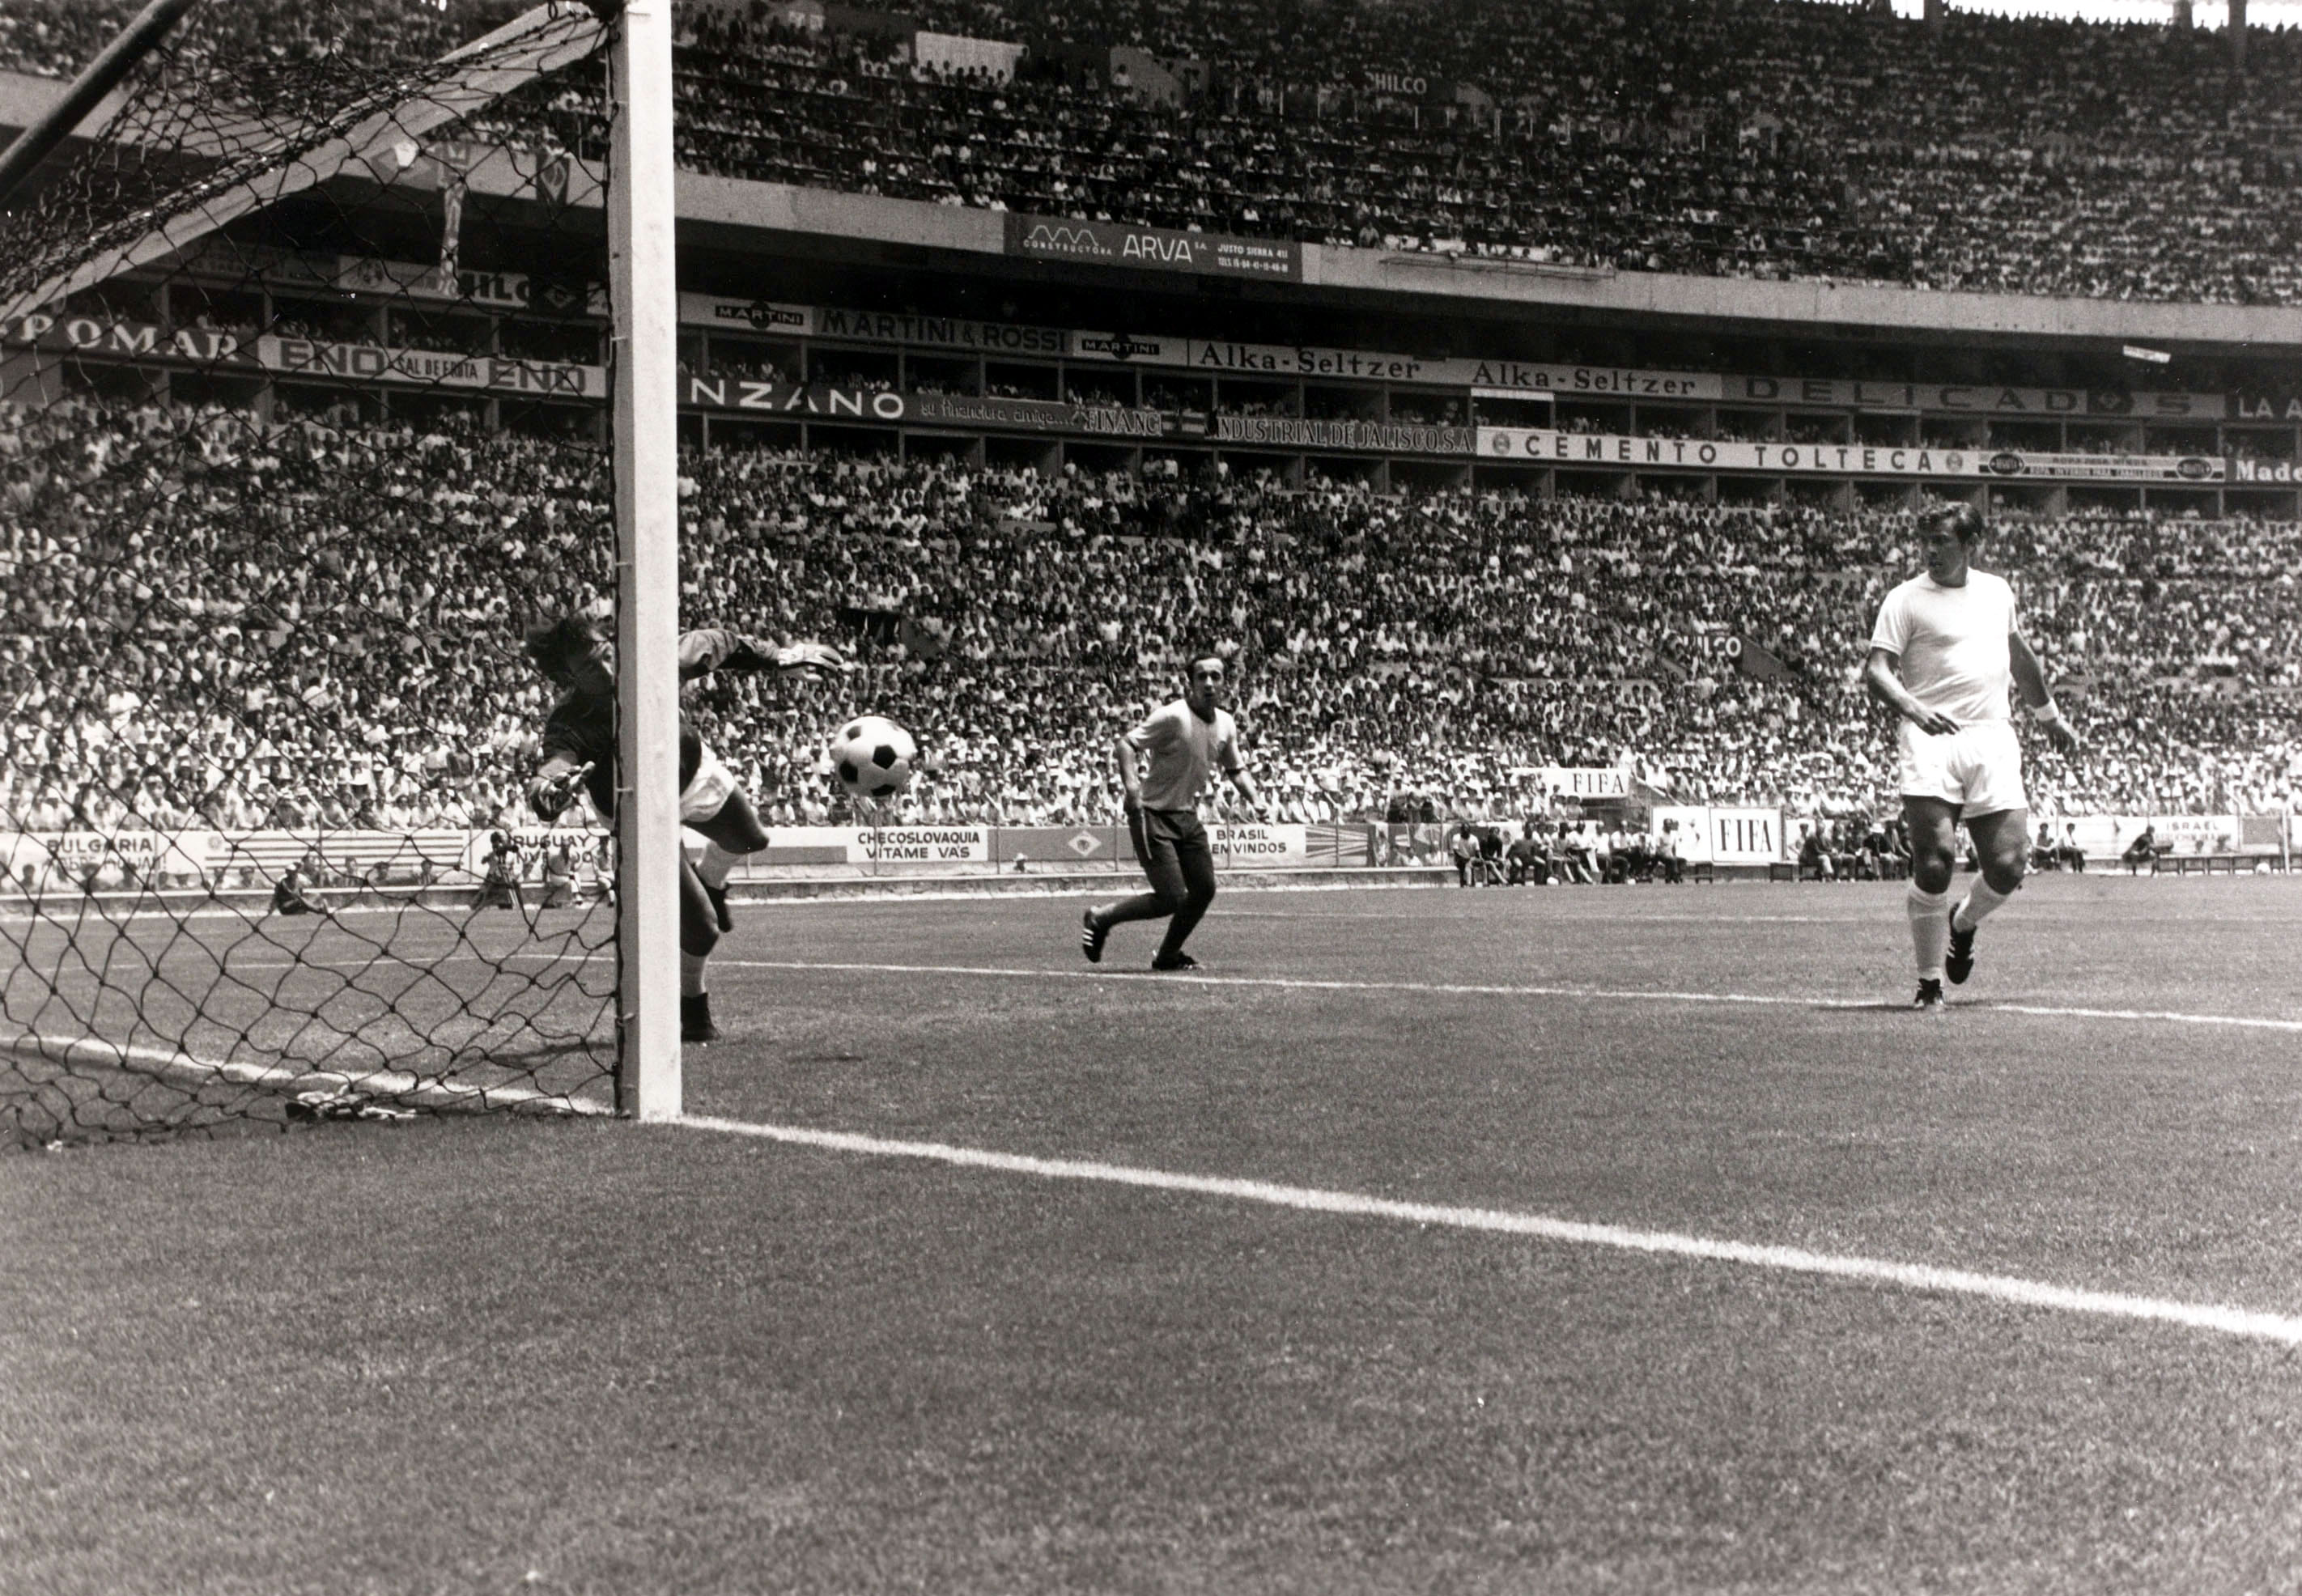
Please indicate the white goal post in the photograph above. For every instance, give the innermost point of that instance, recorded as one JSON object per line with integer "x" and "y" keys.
{"x": 644, "y": 297}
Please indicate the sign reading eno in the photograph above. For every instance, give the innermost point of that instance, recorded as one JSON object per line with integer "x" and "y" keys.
{"x": 1155, "y": 248}
{"x": 1602, "y": 449}
{"x": 306, "y": 358}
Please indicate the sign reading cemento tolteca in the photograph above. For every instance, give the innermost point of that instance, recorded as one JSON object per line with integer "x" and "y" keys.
{"x": 1543, "y": 446}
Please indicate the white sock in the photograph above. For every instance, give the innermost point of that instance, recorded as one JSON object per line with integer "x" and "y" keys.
{"x": 1982, "y": 901}
{"x": 715, "y": 865}
{"x": 691, "y": 975}
{"x": 1929, "y": 930}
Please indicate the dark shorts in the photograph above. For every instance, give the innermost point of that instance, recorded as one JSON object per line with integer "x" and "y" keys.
{"x": 1174, "y": 849}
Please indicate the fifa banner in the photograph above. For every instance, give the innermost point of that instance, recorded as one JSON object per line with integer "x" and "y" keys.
{"x": 367, "y": 363}
{"x": 1155, "y": 249}
{"x": 1744, "y": 836}
{"x": 1541, "y": 446}
{"x": 1295, "y": 432}
{"x": 1577, "y": 781}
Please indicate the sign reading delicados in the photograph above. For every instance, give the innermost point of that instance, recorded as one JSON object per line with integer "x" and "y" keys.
{"x": 1603, "y": 449}
{"x": 1972, "y": 398}
{"x": 1157, "y": 248}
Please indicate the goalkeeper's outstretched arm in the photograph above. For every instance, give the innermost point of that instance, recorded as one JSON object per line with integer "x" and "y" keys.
{"x": 721, "y": 647}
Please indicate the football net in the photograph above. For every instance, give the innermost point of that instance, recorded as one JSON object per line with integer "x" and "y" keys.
{"x": 304, "y": 415}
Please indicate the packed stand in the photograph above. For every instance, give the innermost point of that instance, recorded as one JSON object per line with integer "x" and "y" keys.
{"x": 320, "y": 629}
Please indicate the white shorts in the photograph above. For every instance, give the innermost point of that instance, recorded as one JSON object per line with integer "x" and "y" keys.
{"x": 1978, "y": 768}
{"x": 708, "y": 793}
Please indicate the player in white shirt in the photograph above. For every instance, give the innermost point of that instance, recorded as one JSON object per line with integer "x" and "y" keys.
{"x": 1943, "y": 653}
{"x": 1165, "y": 764}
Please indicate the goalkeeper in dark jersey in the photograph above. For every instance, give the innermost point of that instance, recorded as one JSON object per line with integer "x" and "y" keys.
{"x": 575, "y": 654}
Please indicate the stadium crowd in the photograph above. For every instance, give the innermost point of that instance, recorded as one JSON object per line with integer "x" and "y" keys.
{"x": 310, "y": 626}
{"x": 1769, "y": 139}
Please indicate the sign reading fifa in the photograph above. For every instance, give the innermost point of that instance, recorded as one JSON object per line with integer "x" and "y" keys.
{"x": 1584, "y": 781}
{"x": 1746, "y": 835}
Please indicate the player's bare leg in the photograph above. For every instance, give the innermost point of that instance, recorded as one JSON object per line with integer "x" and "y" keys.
{"x": 727, "y": 836}
{"x": 2002, "y": 843}
{"x": 699, "y": 934}
{"x": 1932, "y": 824}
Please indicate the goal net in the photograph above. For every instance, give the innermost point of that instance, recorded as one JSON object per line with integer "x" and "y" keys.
{"x": 304, "y": 419}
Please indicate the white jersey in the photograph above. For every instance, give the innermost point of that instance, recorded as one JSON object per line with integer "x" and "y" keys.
{"x": 1952, "y": 643}
{"x": 1184, "y": 751}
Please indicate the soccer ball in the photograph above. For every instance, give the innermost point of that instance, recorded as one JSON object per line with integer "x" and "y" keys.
{"x": 873, "y": 757}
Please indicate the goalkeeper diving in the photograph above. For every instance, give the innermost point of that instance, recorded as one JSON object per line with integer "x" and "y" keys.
{"x": 575, "y": 654}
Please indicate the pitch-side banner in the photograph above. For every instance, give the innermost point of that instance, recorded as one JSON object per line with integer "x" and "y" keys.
{"x": 1155, "y": 248}
{"x": 1745, "y": 835}
{"x": 1546, "y": 446}
{"x": 55, "y": 857}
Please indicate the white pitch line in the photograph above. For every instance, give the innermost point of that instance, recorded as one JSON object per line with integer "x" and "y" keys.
{"x": 2284, "y": 1328}
{"x": 394, "y": 1083}
{"x": 1454, "y": 988}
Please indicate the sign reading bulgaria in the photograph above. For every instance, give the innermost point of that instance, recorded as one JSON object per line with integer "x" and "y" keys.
{"x": 1543, "y": 446}
{"x": 1154, "y": 248}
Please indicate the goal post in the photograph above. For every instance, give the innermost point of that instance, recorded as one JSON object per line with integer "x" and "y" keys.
{"x": 644, "y": 302}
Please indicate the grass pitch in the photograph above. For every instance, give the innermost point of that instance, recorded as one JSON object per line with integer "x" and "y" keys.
{"x": 500, "y": 1354}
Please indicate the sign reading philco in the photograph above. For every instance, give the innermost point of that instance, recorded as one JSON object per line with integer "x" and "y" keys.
{"x": 1154, "y": 248}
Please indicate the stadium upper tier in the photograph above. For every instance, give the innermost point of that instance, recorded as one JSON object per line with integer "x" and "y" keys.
{"x": 308, "y": 623}
{"x": 1765, "y": 138}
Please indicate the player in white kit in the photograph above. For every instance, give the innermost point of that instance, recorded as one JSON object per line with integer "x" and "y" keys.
{"x": 1943, "y": 653}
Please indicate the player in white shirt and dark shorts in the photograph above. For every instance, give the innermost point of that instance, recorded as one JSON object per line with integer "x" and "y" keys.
{"x": 1165, "y": 764}
{"x": 1943, "y": 656}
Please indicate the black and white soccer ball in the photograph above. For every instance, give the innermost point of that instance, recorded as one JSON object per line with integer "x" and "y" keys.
{"x": 873, "y": 757}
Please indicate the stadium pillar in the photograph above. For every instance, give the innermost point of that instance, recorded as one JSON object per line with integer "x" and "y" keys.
{"x": 1935, "y": 11}
{"x": 643, "y": 291}
{"x": 2237, "y": 35}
